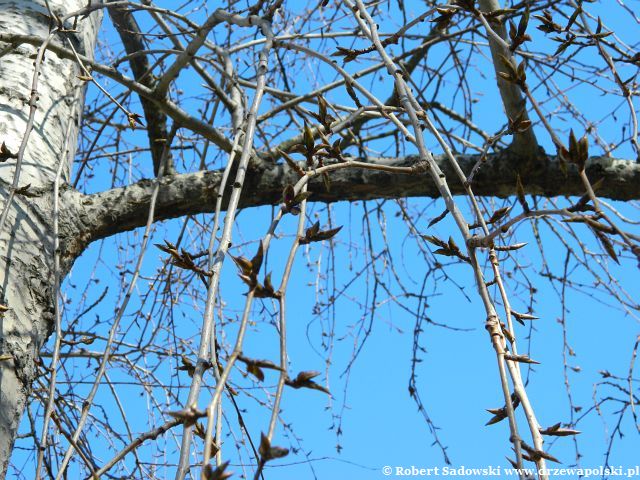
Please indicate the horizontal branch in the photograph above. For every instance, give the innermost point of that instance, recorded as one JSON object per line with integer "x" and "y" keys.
{"x": 121, "y": 209}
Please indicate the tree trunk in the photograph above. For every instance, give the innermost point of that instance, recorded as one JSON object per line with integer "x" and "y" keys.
{"x": 26, "y": 238}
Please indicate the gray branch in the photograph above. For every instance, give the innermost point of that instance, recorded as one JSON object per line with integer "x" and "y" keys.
{"x": 514, "y": 104}
{"x": 133, "y": 42}
{"x": 121, "y": 209}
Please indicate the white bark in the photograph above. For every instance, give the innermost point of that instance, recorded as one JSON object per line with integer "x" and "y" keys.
{"x": 26, "y": 252}
{"x": 25, "y": 286}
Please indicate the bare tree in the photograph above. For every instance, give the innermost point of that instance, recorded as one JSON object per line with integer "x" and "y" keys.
{"x": 198, "y": 115}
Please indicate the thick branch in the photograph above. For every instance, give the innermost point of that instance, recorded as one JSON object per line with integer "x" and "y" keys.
{"x": 121, "y": 209}
{"x": 132, "y": 40}
{"x": 514, "y": 104}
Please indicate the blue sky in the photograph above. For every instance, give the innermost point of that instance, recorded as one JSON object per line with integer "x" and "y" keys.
{"x": 457, "y": 376}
